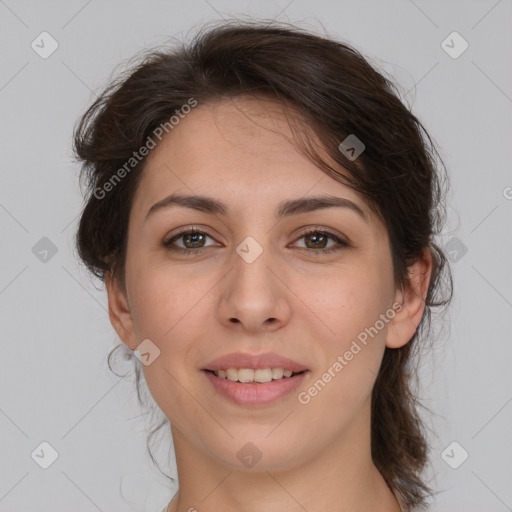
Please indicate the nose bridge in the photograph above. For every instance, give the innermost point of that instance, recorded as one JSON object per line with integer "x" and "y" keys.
{"x": 252, "y": 294}
{"x": 251, "y": 273}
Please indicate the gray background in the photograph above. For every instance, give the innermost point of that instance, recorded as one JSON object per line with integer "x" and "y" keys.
{"x": 54, "y": 382}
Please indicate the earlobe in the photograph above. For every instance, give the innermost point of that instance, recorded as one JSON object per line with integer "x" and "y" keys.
{"x": 119, "y": 312}
{"x": 412, "y": 299}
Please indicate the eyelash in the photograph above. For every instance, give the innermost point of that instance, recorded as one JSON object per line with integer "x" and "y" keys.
{"x": 314, "y": 231}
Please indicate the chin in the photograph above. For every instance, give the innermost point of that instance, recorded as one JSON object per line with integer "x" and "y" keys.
{"x": 256, "y": 453}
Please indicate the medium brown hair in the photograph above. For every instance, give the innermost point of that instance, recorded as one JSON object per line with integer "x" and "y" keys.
{"x": 335, "y": 92}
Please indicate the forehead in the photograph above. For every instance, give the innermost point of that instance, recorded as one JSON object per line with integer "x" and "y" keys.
{"x": 241, "y": 149}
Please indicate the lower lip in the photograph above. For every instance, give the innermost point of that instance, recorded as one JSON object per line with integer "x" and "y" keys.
{"x": 253, "y": 393}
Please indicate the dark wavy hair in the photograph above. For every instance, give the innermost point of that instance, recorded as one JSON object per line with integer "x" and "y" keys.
{"x": 333, "y": 91}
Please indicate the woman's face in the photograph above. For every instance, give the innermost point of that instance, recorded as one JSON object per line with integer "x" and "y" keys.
{"x": 254, "y": 282}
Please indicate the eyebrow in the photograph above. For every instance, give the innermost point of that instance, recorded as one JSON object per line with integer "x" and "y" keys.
{"x": 287, "y": 208}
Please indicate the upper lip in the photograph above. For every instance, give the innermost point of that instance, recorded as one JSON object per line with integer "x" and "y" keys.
{"x": 254, "y": 361}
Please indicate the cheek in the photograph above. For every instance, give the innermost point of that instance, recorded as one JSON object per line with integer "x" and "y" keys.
{"x": 172, "y": 312}
{"x": 347, "y": 303}
{"x": 173, "y": 309}
{"x": 163, "y": 299}
{"x": 353, "y": 340}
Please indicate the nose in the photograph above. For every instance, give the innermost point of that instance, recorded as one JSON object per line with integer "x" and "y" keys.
{"x": 253, "y": 296}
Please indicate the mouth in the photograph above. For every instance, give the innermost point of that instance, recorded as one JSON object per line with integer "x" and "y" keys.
{"x": 254, "y": 376}
{"x": 244, "y": 388}
{"x": 254, "y": 379}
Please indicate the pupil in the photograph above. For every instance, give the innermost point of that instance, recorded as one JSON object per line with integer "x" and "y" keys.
{"x": 316, "y": 237}
{"x": 188, "y": 238}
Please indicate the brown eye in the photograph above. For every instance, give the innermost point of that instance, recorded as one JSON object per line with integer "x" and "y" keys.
{"x": 192, "y": 239}
{"x": 317, "y": 240}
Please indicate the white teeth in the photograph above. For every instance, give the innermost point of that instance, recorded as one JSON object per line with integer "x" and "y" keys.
{"x": 232, "y": 374}
{"x": 261, "y": 375}
{"x": 277, "y": 373}
{"x": 246, "y": 375}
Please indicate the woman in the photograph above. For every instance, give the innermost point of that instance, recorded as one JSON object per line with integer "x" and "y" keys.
{"x": 261, "y": 207}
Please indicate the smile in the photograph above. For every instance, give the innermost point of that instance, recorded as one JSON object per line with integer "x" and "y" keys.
{"x": 249, "y": 391}
{"x": 261, "y": 375}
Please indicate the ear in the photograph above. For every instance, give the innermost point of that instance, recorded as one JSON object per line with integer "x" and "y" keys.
{"x": 405, "y": 322}
{"x": 119, "y": 312}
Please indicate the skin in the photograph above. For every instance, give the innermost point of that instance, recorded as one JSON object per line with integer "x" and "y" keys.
{"x": 315, "y": 456}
